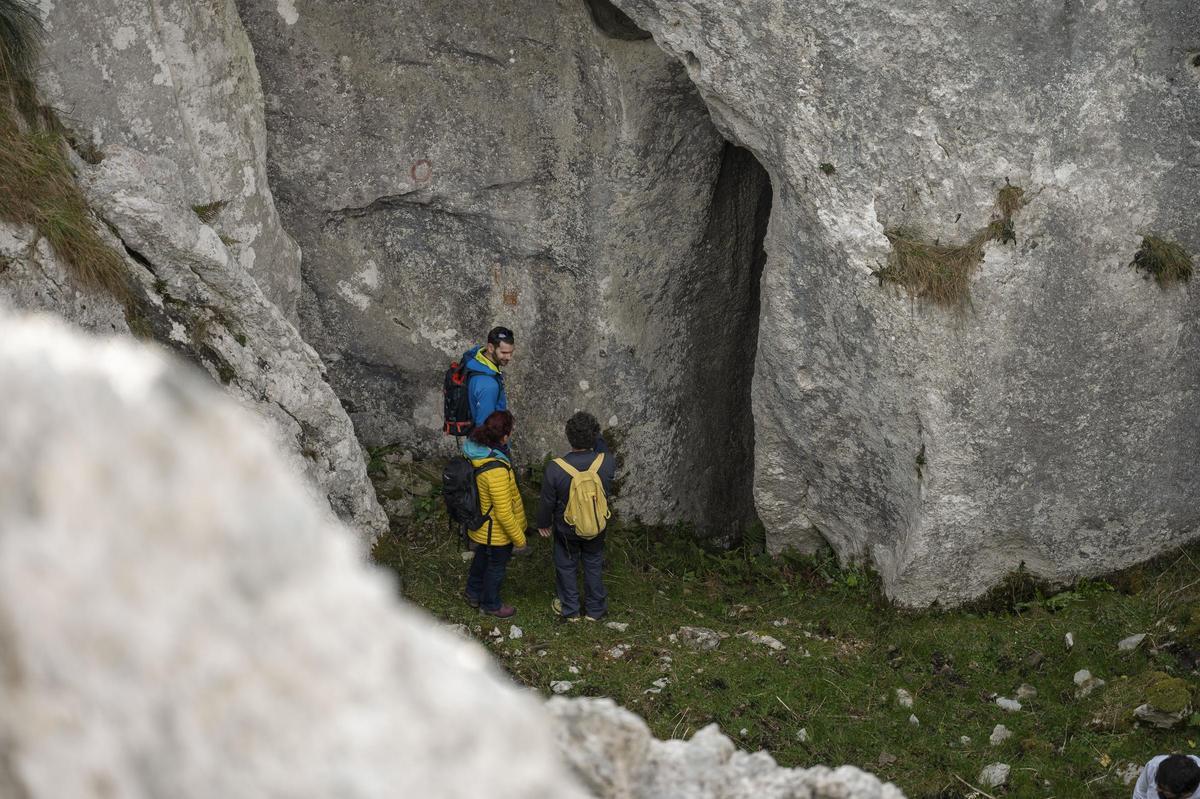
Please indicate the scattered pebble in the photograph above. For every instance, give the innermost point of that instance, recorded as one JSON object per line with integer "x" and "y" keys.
{"x": 657, "y": 686}
{"x": 802, "y": 735}
{"x": 1011, "y": 705}
{"x": 1086, "y": 683}
{"x": 1131, "y": 643}
{"x": 495, "y": 633}
{"x": 765, "y": 640}
{"x": 515, "y": 632}
{"x": 542, "y": 653}
{"x": 619, "y": 651}
{"x": 780, "y": 623}
{"x": 573, "y": 669}
{"x": 913, "y": 720}
{"x": 903, "y": 698}
{"x": 886, "y": 759}
{"x": 1026, "y": 691}
{"x": 619, "y": 626}
{"x": 561, "y": 686}
{"x": 965, "y": 740}
{"x": 999, "y": 735}
{"x": 701, "y": 639}
{"x": 1129, "y": 772}
{"x": 466, "y": 556}
{"x": 744, "y": 732}
{"x": 1069, "y": 640}
{"x": 994, "y": 775}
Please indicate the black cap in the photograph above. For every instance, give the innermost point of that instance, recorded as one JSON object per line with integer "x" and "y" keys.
{"x": 500, "y": 335}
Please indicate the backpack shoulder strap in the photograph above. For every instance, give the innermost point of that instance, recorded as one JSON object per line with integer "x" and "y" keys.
{"x": 571, "y": 471}
{"x": 492, "y": 464}
{"x": 595, "y": 467}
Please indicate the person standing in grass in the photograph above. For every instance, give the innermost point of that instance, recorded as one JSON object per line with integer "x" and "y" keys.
{"x": 574, "y": 507}
{"x": 1169, "y": 777}
{"x": 503, "y": 533}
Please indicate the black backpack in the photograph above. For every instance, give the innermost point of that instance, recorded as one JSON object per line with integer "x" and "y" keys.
{"x": 461, "y": 493}
{"x": 456, "y": 400}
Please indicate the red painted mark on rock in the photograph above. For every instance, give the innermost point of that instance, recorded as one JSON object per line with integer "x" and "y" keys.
{"x": 421, "y": 171}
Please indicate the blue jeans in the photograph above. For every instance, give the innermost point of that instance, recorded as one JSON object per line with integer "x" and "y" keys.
{"x": 487, "y": 574}
{"x": 590, "y": 553}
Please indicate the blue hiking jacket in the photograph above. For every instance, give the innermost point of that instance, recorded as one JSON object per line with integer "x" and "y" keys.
{"x": 485, "y": 385}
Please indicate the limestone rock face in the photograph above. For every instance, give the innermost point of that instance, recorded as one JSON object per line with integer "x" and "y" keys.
{"x": 34, "y": 278}
{"x": 539, "y": 165}
{"x": 179, "y": 618}
{"x": 616, "y": 757}
{"x": 177, "y": 79}
{"x": 197, "y": 299}
{"x": 1054, "y": 423}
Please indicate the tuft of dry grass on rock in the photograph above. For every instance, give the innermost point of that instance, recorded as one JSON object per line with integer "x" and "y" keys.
{"x": 37, "y": 184}
{"x": 941, "y": 273}
{"x": 1166, "y": 261}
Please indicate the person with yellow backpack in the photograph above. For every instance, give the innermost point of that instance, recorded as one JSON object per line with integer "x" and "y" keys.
{"x": 574, "y": 507}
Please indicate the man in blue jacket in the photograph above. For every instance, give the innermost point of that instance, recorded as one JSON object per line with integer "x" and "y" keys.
{"x": 485, "y": 381}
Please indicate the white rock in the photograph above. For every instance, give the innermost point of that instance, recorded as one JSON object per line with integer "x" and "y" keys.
{"x": 994, "y": 775}
{"x": 913, "y": 720}
{"x": 1069, "y": 640}
{"x": 467, "y": 556}
{"x": 1131, "y": 643}
{"x": 1086, "y": 683}
{"x": 802, "y": 735}
{"x": 619, "y": 626}
{"x": 1129, "y": 772}
{"x": 744, "y": 732}
{"x": 515, "y": 632}
{"x": 965, "y": 740}
{"x": 617, "y": 758}
{"x": 1011, "y": 705}
{"x": 657, "y": 686}
{"x": 573, "y": 669}
{"x": 765, "y": 640}
{"x": 620, "y": 650}
{"x": 903, "y": 698}
{"x": 999, "y": 735}
{"x": 1082, "y": 676}
{"x": 1026, "y": 691}
{"x": 561, "y": 686}
{"x": 216, "y": 632}
{"x": 701, "y": 639}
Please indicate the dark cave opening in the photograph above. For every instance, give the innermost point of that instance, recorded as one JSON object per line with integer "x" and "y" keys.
{"x": 725, "y": 329}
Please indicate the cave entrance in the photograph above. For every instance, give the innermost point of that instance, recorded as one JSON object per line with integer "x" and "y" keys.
{"x": 726, "y": 336}
{"x": 716, "y": 284}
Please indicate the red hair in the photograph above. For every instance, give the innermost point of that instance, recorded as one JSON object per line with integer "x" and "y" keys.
{"x": 493, "y": 430}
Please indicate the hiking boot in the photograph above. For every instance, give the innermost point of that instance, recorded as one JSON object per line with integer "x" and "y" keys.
{"x": 472, "y": 602}
{"x": 502, "y": 612}
{"x": 595, "y": 618}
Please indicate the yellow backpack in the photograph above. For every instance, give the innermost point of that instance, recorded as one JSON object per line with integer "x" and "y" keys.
{"x": 587, "y": 507}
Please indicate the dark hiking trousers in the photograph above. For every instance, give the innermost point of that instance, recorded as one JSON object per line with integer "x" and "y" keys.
{"x": 487, "y": 574}
{"x": 569, "y": 549}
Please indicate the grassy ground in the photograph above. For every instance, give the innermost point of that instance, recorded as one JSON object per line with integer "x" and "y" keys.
{"x": 846, "y": 652}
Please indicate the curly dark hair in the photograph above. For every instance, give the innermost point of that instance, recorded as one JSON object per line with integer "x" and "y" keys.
{"x": 493, "y": 430}
{"x": 582, "y": 430}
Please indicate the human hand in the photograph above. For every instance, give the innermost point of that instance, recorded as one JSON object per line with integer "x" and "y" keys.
{"x": 544, "y": 532}
{"x": 520, "y": 550}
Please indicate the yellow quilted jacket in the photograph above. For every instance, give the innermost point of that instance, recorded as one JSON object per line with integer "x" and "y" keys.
{"x": 498, "y": 491}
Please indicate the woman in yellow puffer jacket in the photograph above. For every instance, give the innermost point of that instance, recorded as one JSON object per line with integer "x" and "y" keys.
{"x": 500, "y": 501}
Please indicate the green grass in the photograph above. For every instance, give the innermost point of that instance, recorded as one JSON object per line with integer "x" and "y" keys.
{"x": 1166, "y": 261}
{"x": 37, "y": 185}
{"x": 859, "y": 650}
